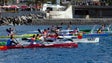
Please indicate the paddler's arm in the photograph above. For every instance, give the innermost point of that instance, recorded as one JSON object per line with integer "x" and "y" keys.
{"x": 15, "y": 42}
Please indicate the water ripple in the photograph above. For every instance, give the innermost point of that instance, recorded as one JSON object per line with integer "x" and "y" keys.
{"x": 85, "y": 53}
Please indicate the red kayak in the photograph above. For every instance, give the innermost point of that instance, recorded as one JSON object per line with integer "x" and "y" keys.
{"x": 60, "y": 45}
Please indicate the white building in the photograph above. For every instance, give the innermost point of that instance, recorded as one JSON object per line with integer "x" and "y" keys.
{"x": 52, "y": 7}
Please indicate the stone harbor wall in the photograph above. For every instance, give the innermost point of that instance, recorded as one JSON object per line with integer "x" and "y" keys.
{"x": 77, "y": 21}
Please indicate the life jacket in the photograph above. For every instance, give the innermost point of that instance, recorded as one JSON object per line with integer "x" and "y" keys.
{"x": 45, "y": 32}
{"x": 32, "y": 39}
{"x": 38, "y": 38}
{"x": 9, "y": 42}
{"x": 99, "y": 31}
{"x": 79, "y": 36}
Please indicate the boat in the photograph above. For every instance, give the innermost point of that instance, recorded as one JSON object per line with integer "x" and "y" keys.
{"x": 69, "y": 34}
{"x": 47, "y": 44}
{"x": 18, "y": 36}
{"x": 67, "y": 37}
{"x": 63, "y": 35}
{"x": 74, "y": 39}
{"x": 96, "y": 34}
{"x": 86, "y": 40}
{"x": 105, "y": 32}
{"x": 66, "y": 34}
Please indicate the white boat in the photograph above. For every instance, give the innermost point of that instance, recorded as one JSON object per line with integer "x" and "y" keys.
{"x": 68, "y": 37}
{"x": 67, "y": 34}
{"x": 86, "y": 40}
{"x": 52, "y": 43}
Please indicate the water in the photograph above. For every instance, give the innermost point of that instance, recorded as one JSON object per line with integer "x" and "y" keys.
{"x": 85, "y": 53}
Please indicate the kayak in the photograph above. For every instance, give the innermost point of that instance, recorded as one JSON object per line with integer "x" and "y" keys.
{"x": 87, "y": 30}
{"x": 19, "y": 36}
{"x": 67, "y": 44}
{"x": 75, "y": 39}
{"x": 86, "y": 40}
{"x": 67, "y": 37}
{"x": 62, "y": 36}
{"x": 96, "y": 34}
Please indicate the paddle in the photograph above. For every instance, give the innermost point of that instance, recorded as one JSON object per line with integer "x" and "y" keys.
{"x": 93, "y": 29}
{"x": 17, "y": 43}
{"x": 108, "y": 28}
{"x": 39, "y": 30}
{"x": 25, "y": 38}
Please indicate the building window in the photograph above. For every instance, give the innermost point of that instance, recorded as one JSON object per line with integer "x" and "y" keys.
{"x": 81, "y": 12}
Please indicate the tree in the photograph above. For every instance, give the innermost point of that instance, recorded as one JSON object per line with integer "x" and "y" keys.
{"x": 3, "y": 1}
{"x": 109, "y": 2}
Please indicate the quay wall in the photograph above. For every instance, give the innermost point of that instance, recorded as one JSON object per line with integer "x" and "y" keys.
{"x": 75, "y": 21}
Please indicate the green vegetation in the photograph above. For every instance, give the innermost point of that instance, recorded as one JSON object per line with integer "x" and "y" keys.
{"x": 109, "y": 2}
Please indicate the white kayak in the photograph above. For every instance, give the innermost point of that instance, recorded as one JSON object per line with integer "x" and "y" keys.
{"x": 86, "y": 40}
{"x": 68, "y": 37}
{"x": 49, "y": 42}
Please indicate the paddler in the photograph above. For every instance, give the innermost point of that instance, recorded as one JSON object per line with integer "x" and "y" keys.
{"x": 99, "y": 31}
{"x": 32, "y": 40}
{"x": 103, "y": 27}
{"x": 76, "y": 30}
{"x": 45, "y": 32}
{"x": 10, "y": 31}
{"x": 80, "y": 35}
{"x": 11, "y": 42}
{"x": 38, "y": 37}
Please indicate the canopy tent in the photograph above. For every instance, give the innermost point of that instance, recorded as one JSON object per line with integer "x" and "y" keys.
{"x": 24, "y": 7}
{"x": 13, "y": 6}
{"x": 6, "y": 6}
{"x": 10, "y": 6}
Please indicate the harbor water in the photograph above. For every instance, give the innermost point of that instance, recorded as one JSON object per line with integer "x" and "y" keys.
{"x": 85, "y": 53}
